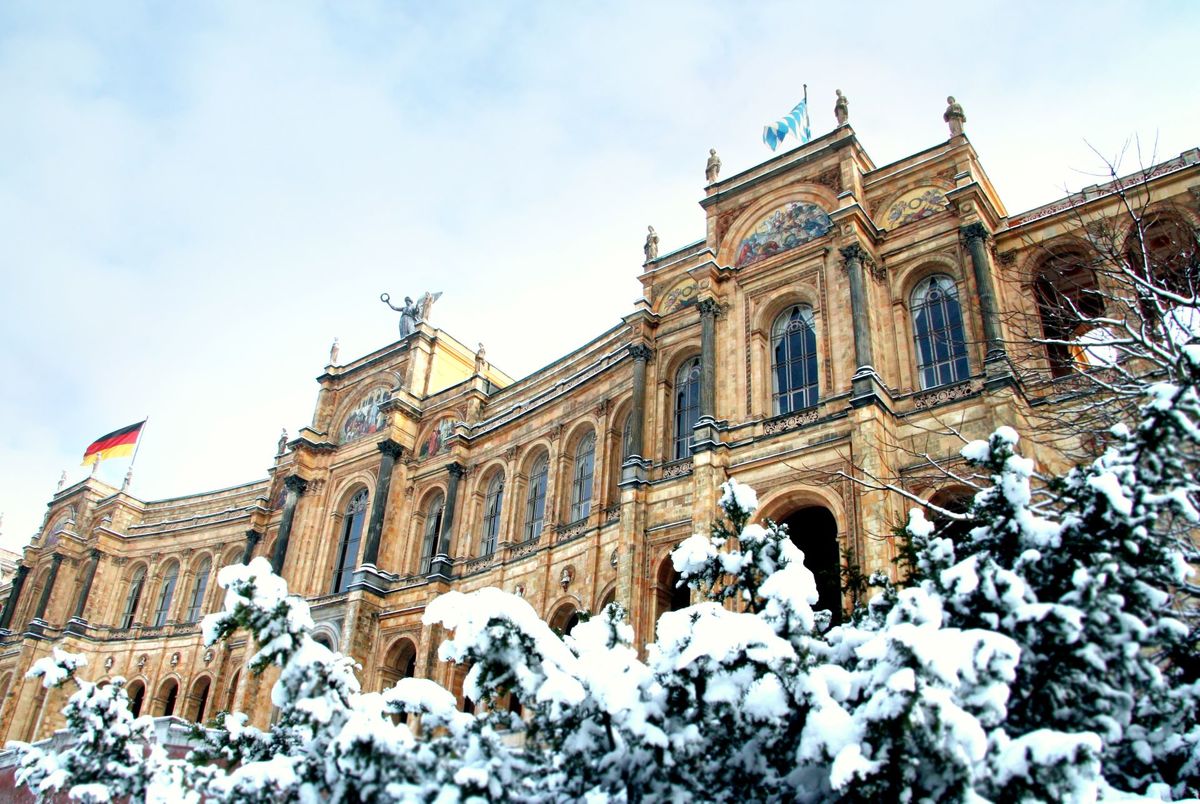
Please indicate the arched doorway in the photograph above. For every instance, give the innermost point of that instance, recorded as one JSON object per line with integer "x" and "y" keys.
{"x": 669, "y": 594}
{"x": 198, "y": 700}
{"x": 168, "y": 696}
{"x": 400, "y": 662}
{"x": 814, "y": 530}
{"x": 137, "y": 697}
{"x": 565, "y": 619}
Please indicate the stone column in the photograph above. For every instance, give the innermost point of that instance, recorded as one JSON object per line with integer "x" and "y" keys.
{"x": 294, "y": 485}
{"x": 456, "y": 470}
{"x": 44, "y": 601}
{"x": 637, "y": 424}
{"x": 440, "y": 563}
{"x": 391, "y": 452}
{"x": 88, "y": 577}
{"x": 252, "y": 539}
{"x": 852, "y": 260}
{"x": 975, "y": 235}
{"x": 708, "y": 358}
{"x": 14, "y": 596}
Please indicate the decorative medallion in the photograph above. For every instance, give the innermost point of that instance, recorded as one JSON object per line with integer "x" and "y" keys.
{"x": 785, "y": 228}
{"x": 366, "y": 417}
{"x": 915, "y": 205}
{"x": 208, "y": 656}
{"x": 175, "y": 657}
{"x": 109, "y": 662}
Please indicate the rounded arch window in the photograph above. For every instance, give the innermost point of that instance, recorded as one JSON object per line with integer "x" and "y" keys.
{"x": 1168, "y": 252}
{"x": 493, "y": 503}
{"x": 434, "y": 512}
{"x": 582, "y": 476}
{"x": 199, "y": 587}
{"x": 134, "y": 596}
{"x": 938, "y": 332}
{"x": 794, "y": 360}
{"x": 687, "y": 406}
{"x": 353, "y": 519}
{"x": 535, "y": 498}
{"x": 166, "y": 593}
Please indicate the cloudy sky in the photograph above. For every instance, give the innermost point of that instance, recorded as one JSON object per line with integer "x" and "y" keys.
{"x": 195, "y": 199}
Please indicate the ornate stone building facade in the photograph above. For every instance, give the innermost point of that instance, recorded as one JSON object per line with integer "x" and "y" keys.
{"x": 836, "y": 319}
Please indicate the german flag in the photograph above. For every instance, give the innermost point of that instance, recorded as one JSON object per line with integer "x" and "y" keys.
{"x": 116, "y": 444}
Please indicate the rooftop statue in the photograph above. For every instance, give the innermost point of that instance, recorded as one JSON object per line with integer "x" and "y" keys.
{"x": 411, "y": 314}
{"x": 713, "y": 168}
{"x": 651, "y": 247}
{"x": 954, "y": 116}
{"x": 841, "y": 109}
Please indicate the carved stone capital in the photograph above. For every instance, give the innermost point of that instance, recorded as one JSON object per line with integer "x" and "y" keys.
{"x": 295, "y": 483}
{"x": 974, "y": 231}
{"x": 253, "y": 536}
{"x": 640, "y": 351}
{"x": 708, "y": 307}
{"x": 852, "y": 253}
{"x": 456, "y": 470}
{"x": 390, "y": 448}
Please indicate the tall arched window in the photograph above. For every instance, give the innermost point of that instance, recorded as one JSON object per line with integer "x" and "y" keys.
{"x": 687, "y": 406}
{"x": 535, "y": 500}
{"x": 352, "y": 528}
{"x": 199, "y": 587}
{"x": 794, "y": 360}
{"x": 136, "y": 584}
{"x": 433, "y": 528}
{"x": 581, "y": 483}
{"x": 493, "y": 501}
{"x": 166, "y": 593}
{"x": 938, "y": 332}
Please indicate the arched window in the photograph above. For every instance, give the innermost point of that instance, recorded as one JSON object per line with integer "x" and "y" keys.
{"x": 166, "y": 593}
{"x": 199, "y": 587}
{"x": 136, "y": 584}
{"x": 493, "y": 502}
{"x": 1067, "y": 297}
{"x": 1173, "y": 254}
{"x": 535, "y": 500}
{"x": 433, "y": 528}
{"x": 938, "y": 332}
{"x": 794, "y": 360}
{"x": 352, "y": 527}
{"x": 687, "y": 406}
{"x": 581, "y": 484}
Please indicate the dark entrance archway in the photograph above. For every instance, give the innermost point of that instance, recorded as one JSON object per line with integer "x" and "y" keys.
{"x": 814, "y": 531}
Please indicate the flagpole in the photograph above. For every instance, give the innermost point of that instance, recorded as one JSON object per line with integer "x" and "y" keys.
{"x": 137, "y": 446}
{"x": 807, "y": 120}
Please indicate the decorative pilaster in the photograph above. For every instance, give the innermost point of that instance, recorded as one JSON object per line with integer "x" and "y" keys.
{"x": 253, "y": 537}
{"x": 391, "y": 453}
{"x": 294, "y": 486}
{"x": 708, "y": 357}
{"x": 86, "y": 590}
{"x": 44, "y": 601}
{"x": 975, "y": 236}
{"x": 14, "y": 596}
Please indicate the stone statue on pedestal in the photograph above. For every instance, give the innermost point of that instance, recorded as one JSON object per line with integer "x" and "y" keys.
{"x": 713, "y": 168}
{"x": 281, "y": 447}
{"x": 411, "y": 314}
{"x": 841, "y": 109}
{"x": 954, "y": 116}
{"x": 651, "y": 247}
{"x": 333, "y": 352}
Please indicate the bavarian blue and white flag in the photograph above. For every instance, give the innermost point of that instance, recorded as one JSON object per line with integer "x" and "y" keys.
{"x": 796, "y": 122}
